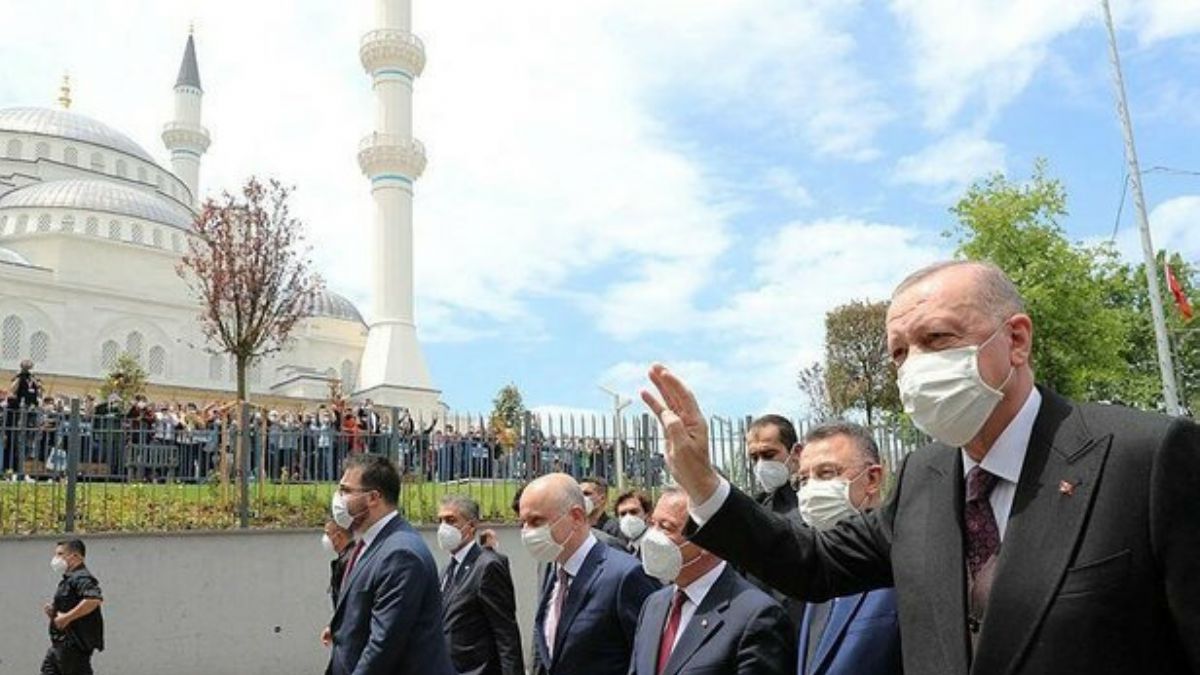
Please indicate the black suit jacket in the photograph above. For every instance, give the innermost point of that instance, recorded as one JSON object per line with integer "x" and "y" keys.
{"x": 786, "y": 503}
{"x": 480, "y": 621}
{"x": 1099, "y": 571}
{"x": 736, "y": 629}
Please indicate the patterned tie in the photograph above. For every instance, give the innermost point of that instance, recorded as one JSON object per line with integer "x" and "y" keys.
{"x": 672, "y": 628}
{"x": 983, "y": 544}
{"x": 448, "y": 580}
{"x": 353, "y": 559}
{"x": 558, "y": 598}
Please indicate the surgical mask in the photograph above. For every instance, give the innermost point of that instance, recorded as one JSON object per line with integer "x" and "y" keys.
{"x": 771, "y": 475}
{"x": 588, "y": 505}
{"x": 539, "y": 542}
{"x": 823, "y": 503}
{"x": 327, "y": 544}
{"x": 945, "y": 394}
{"x": 59, "y": 565}
{"x": 632, "y": 526}
{"x": 341, "y": 511}
{"x": 661, "y": 557}
{"x": 448, "y": 537}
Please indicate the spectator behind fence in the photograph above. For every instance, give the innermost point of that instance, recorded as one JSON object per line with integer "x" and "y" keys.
{"x": 338, "y": 543}
{"x": 480, "y": 622}
{"x": 1036, "y": 535}
{"x": 591, "y": 595}
{"x": 633, "y": 517}
{"x": 388, "y": 618}
{"x": 709, "y": 619}
{"x": 859, "y": 634}
{"x": 76, "y": 622}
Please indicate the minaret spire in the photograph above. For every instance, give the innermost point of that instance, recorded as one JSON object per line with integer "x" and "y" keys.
{"x": 64, "y": 92}
{"x": 184, "y": 136}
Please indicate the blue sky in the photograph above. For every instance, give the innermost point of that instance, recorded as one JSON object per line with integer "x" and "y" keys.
{"x": 613, "y": 183}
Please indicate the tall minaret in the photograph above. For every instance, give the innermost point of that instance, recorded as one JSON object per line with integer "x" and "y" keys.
{"x": 393, "y": 370}
{"x": 184, "y": 136}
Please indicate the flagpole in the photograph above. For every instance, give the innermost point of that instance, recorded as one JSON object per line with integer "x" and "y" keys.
{"x": 1165, "y": 365}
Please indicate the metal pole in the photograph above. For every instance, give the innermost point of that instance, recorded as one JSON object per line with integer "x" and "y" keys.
{"x": 73, "y": 432}
{"x": 1165, "y": 366}
{"x": 244, "y": 487}
{"x": 619, "y": 404}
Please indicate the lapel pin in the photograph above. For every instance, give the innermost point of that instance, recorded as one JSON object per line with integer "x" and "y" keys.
{"x": 1066, "y": 487}
{"x": 704, "y": 623}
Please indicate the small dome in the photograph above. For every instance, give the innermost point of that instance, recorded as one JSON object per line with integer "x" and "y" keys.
{"x": 11, "y": 257}
{"x": 335, "y": 306}
{"x": 99, "y": 195}
{"x": 64, "y": 124}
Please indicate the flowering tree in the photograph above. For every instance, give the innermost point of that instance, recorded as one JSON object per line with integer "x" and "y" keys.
{"x": 248, "y": 265}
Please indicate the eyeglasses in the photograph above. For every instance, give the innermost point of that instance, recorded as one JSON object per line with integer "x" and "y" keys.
{"x": 830, "y": 472}
{"x": 345, "y": 490}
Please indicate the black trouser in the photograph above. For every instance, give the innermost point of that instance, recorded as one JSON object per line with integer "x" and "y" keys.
{"x": 64, "y": 659}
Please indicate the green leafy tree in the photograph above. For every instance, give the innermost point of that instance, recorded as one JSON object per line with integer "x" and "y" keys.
{"x": 508, "y": 413}
{"x": 858, "y": 372}
{"x": 126, "y": 379}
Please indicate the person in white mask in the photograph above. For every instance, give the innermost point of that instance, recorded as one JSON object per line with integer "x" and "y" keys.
{"x": 841, "y": 477}
{"x": 771, "y": 445}
{"x": 338, "y": 543}
{"x": 633, "y": 518}
{"x": 707, "y": 619}
{"x": 1034, "y": 535}
{"x": 590, "y": 594}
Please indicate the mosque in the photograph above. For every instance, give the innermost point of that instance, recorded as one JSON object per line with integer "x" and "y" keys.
{"x": 92, "y": 228}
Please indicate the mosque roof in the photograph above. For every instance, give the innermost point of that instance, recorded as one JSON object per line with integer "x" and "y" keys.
{"x": 66, "y": 124}
{"x": 11, "y": 257}
{"x": 98, "y": 195}
{"x": 335, "y": 306}
{"x": 189, "y": 72}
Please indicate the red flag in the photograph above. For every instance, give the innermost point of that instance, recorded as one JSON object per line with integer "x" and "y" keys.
{"x": 1181, "y": 300}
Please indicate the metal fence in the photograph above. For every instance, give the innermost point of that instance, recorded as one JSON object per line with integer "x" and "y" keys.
{"x": 238, "y": 466}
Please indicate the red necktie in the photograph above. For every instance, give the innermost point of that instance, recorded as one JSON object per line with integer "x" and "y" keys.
{"x": 353, "y": 559}
{"x": 668, "y": 636}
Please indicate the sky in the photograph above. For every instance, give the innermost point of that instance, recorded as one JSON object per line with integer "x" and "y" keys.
{"x": 613, "y": 183}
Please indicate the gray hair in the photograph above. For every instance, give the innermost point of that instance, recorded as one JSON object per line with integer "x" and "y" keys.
{"x": 864, "y": 442}
{"x": 997, "y": 296}
{"x": 468, "y": 508}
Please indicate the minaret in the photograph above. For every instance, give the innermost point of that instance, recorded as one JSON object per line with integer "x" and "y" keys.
{"x": 184, "y": 136}
{"x": 393, "y": 370}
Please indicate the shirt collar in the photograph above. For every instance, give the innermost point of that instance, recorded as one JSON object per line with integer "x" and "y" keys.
{"x": 698, "y": 589}
{"x": 461, "y": 556}
{"x": 1007, "y": 454}
{"x": 373, "y": 531}
{"x": 575, "y": 562}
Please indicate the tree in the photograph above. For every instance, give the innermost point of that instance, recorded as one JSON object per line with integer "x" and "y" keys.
{"x": 858, "y": 371}
{"x": 1078, "y": 333}
{"x": 126, "y": 379}
{"x": 508, "y": 414}
{"x": 247, "y": 263}
{"x": 811, "y": 381}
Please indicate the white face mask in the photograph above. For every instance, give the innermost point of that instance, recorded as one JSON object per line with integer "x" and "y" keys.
{"x": 340, "y": 511}
{"x": 945, "y": 394}
{"x": 588, "y": 505}
{"x": 59, "y": 565}
{"x": 771, "y": 475}
{"x": 632, "y": 526}
{"x": 327, "y": 544}
{"x": 825, "y": 502}
{"x": 448, "y": 537}
{"x": 661, "y": 557}
{"x": 539, "y": 541}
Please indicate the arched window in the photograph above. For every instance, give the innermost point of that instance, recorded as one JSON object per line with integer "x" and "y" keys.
{"x": 114, "y": 229}
{"x": 97, "y": 161}
{"x": 136, "y": 233}
{"x": 44, "y": 222}
{"x": 158, "y": 360}
{"x": 121, "y": 169}
{"x": 157, "y": 238}
{"x": 70, "y": 156}
{"x": 67, "y": 224}
{"x": 134, "y": 344}
{"x": 42, "y": 150}
{"x": 93, "y": 226}
{"x": 14, "y": 148}
{"x": 216, "y": 368}
{"x": 39, "y": 347}
{"x": 12, "y": 331}
{"x": 109, "y": 352}
{"x": 347, "y": 375}
{"x": 141, "y": 174}
{"x": 3, "y": 224}
{"x": 22, "y": 222}
{"x": 176, "y": 241}
{"x": 331, "y": 373}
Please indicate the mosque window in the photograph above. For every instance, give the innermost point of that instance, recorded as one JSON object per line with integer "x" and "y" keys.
{"x": 114, "y": 229}
{"x": 44, "y": 222}
{"x": 11, "y": 333}
{"x": 22, "y": 222}
{"x": 347, "y": 374}
{"x": 3, "y": 224}
{"x": 70, "y": 156}
{"x": 134, "y": 344}
{"x": 136, "y": 233}
{"x": 158, "y": 360}
{"x": 97, "y": 161}
{"x": 331, "y": 373}
{"x": 176, "y": 242}
{"x": 216, "y": 368}
{"x": 108, "y": 354}
{"x": 121, "y": 168}
{"x": 255, "y": 375}
{"x": 157, "y": 238}
{"x": 42, "y": 150}
{"x": 141, "y": 174}
{"x": 67, "y": 224}
{"x": 93, "y": 226}
{"x": 14, "y": 149}
{"x": 39, "y": 347}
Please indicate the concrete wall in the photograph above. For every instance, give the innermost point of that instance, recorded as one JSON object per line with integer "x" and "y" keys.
{"x": 236, "y": 603}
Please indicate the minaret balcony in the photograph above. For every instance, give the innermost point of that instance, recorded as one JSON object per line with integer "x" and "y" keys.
{"x": 391, "y": 48}
{"x": 389, "y": 153}
{"x": 183, "y": 135}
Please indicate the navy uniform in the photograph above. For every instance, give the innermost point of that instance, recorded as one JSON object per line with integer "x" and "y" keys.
{"x": 71, "y": 649}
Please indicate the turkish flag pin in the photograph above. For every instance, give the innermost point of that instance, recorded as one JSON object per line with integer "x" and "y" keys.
{"x": 1066, "y": 487}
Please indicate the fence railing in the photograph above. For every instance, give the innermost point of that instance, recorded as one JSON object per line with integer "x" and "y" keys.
{"x": 140, "y": 469}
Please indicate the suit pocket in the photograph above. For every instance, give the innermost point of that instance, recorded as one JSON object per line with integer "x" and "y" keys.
{"x": 1096, "y": 575}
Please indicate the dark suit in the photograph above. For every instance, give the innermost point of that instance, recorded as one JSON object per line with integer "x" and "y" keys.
{"x": 595, "y": 632}
{"x": 337, "y": 570}
{"x": 480, "y": 622}
{"x": 608, "y": 525}
{"x": 784, "y": 502}
{"x": 861, "y": 636}
{"x": 736, "y": 629}
{"x": 1099, "y": 571}
{"x": 388, "y": 619}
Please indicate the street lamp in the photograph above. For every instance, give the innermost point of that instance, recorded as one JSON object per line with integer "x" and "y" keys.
{"x": 619, "y": 404}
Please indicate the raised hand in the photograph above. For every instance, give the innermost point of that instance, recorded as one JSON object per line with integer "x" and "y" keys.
{"x": 686, "y": 431}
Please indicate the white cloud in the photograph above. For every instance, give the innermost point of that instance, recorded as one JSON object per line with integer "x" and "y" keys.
{"x": 949, "y": 165}
{"x": 787, "y": 185}
{"x": 1174, "y": 227}
{"x": 1165, "y": 19}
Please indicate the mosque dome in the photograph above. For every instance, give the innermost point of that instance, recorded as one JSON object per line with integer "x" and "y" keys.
{"x": 332, "y": 305}
{"x": 66, "y": 124}
{"x": 98, "y": 195}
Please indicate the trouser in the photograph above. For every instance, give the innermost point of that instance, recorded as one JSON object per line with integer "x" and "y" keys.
{"x": 64, "y": 659}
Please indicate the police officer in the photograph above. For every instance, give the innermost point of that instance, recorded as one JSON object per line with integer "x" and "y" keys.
{"x": 76, "y": 623}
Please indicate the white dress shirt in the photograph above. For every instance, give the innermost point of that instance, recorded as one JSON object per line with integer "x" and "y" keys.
{"x": 1005, "y": 458}
{"x": 461, "y": 556}
{"x": 694, "y": 594}
{"x": 572, "y": 567}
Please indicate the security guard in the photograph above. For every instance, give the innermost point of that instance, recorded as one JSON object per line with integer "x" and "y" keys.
{"x": 76, "y": 623}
